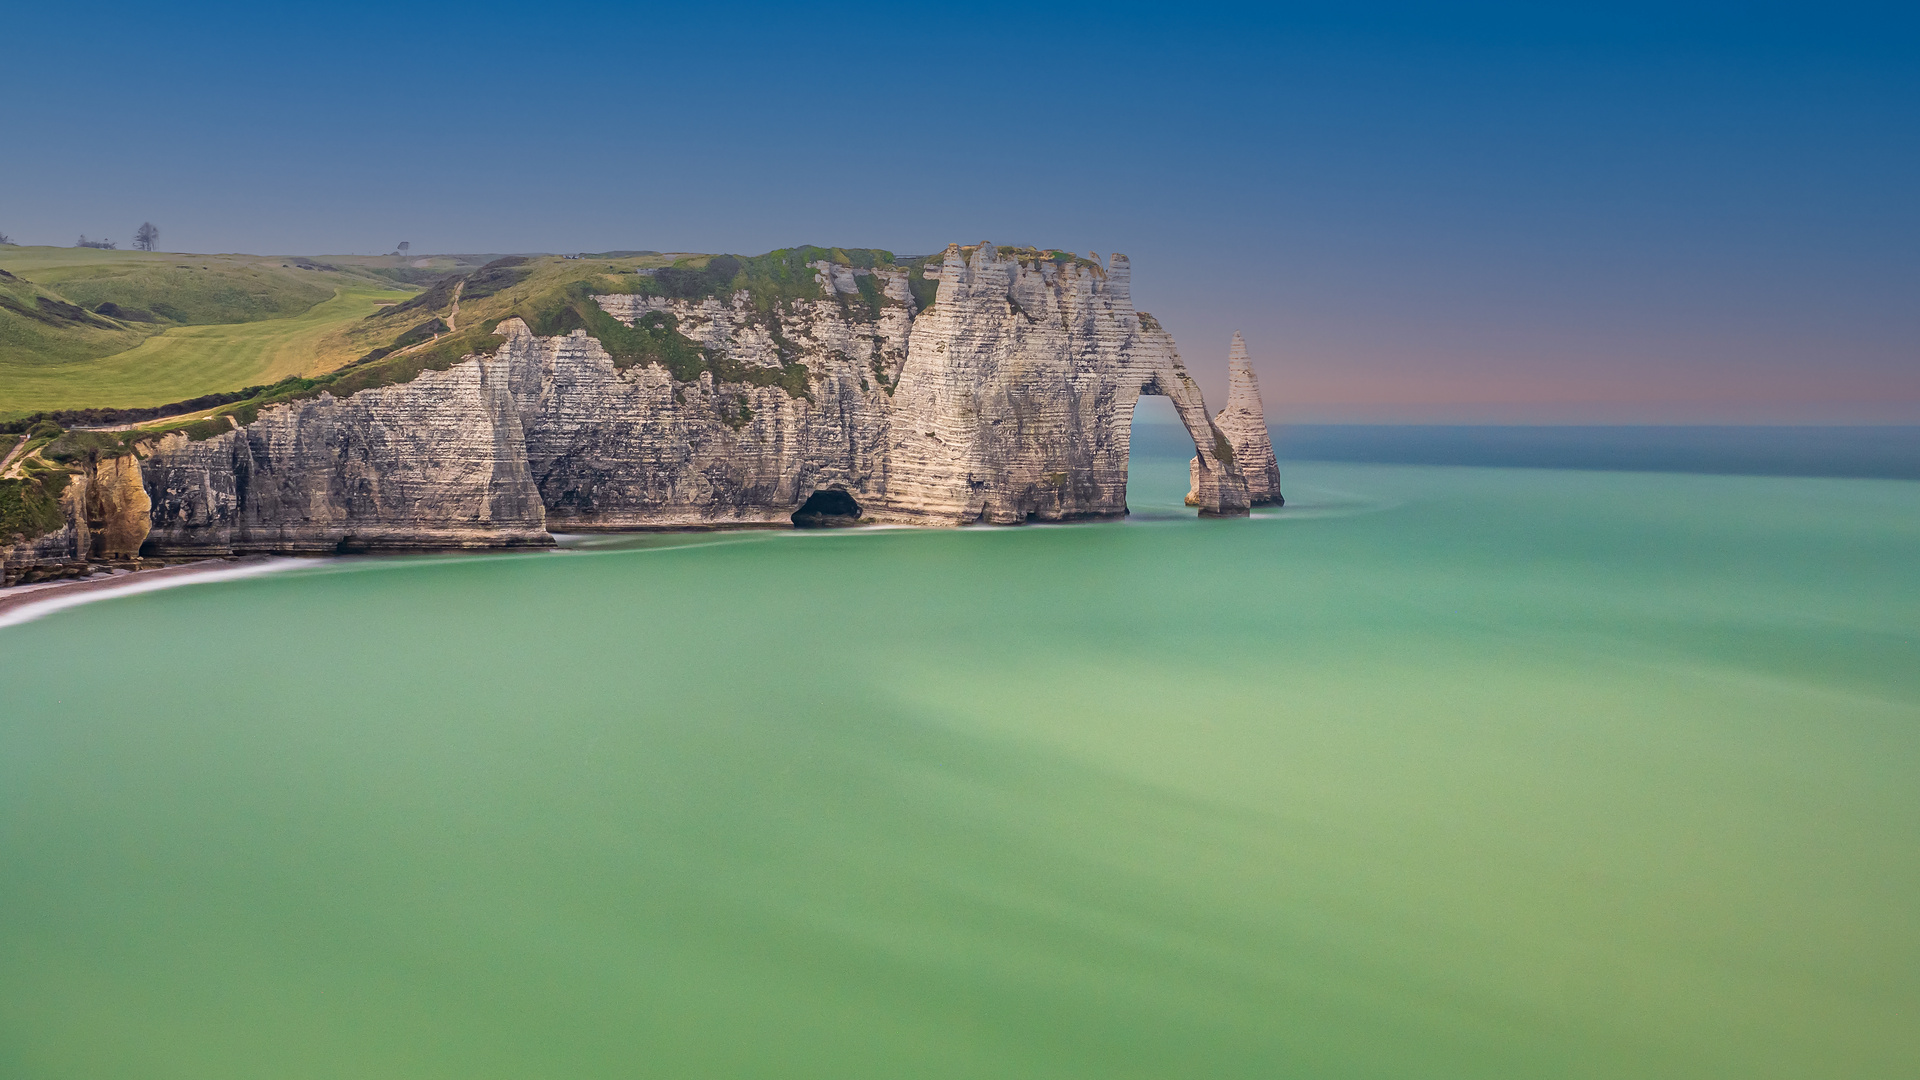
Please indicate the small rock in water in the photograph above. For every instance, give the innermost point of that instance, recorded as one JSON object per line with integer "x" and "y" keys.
{"x": 121, "y": 570}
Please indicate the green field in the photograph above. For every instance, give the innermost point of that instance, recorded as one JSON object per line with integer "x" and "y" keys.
{"x": 84, "y": 329}
{"x": 187, "y": 361}
{"x": 81, "y": 328}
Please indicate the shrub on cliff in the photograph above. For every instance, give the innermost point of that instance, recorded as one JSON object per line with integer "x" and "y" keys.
{"x": 770, "y": 281}
{"x": 30, "y": 506}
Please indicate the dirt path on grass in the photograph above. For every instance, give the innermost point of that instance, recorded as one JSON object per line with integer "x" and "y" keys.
{"x": 201, "y": 415}
{"x": 7, "y": 462}
{"x": 453, "y": 311}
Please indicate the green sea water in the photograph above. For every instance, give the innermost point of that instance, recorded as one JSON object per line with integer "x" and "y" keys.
{"x": 1437, "y": 772}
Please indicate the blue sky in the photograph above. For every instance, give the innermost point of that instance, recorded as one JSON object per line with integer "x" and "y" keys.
{"x": 1463, "y": 213}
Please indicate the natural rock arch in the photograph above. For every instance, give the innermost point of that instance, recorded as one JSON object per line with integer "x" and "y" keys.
{"x": 1016, "y": 400}
{"x": 1218, "y": 488}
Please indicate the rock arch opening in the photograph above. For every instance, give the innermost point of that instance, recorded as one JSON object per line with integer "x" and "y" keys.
{"x": 1158, "y": 448}
{"x": 1215, "y": 484}
{"x": 827, "y": 508}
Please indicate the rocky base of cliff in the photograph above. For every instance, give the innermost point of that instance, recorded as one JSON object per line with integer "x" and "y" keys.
{"x": 333, "y": 542}
{"x": 36, "y": 573}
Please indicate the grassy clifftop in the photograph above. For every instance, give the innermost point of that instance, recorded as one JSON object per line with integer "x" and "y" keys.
{"x": 362, "y": 337}
{"x": 86, "y": 328}
{"x": 188, "y": 361}
{"x": 457, "y": 316}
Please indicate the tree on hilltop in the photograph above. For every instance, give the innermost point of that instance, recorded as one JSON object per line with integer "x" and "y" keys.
{"x": 146, "y": 236}
{"x": 103, "y": 245}
{"x": 6, "y": 240}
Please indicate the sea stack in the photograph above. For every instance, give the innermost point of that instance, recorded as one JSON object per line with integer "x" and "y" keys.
{"x": 1244, "y": 422}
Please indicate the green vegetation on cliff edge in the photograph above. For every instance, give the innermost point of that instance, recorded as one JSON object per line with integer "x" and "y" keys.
{"x": 30, "y": 505}
{"x": 556, "y": 296}
{"x": 396, "y": 342}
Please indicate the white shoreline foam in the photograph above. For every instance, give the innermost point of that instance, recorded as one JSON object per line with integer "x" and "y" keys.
{"x": 59, "y": 599}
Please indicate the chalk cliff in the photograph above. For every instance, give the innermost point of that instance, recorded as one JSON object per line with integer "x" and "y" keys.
{"x": 638, "y": 448}
{"x": 102, "y": 514}
{"x": 1007, "y": 397}
{"x": 1016, "y": 402}
{"x": 436, "y": 463}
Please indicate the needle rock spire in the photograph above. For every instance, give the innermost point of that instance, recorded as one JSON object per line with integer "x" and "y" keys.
{"x": 1244, "y": 422}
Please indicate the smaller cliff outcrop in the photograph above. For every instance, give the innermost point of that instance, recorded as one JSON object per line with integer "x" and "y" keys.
{"x": 1244, "y": 423}
{"x": 112, "y": 500}
{"x": 69, "y": 501}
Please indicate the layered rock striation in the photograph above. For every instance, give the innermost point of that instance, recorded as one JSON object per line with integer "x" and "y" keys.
{"x": 103, "y": 513}
{"x": 1008, "y": 398}
{"x": 1244, "y": 422}
{"x": 438, "y": 463}
{"x": 1016, "y": 403}
{"x": 638, "y": 448}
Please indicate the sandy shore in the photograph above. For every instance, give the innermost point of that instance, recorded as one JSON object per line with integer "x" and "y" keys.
{"x": 25, "y": 602}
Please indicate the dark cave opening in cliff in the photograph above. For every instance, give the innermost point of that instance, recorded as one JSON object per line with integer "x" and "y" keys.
{"x": 827, "y": 509}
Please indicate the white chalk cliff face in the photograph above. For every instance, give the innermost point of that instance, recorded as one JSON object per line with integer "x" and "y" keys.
{"x": 1009, "y": 399}
{"x": 1016, "y": 402}
{"x": 634, "y": 449}
{"x": 434, "y": 464}
{"x": 1244, "y": 421}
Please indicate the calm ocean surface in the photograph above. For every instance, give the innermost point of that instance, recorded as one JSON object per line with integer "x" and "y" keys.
{"x": 1438, "y": 772}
